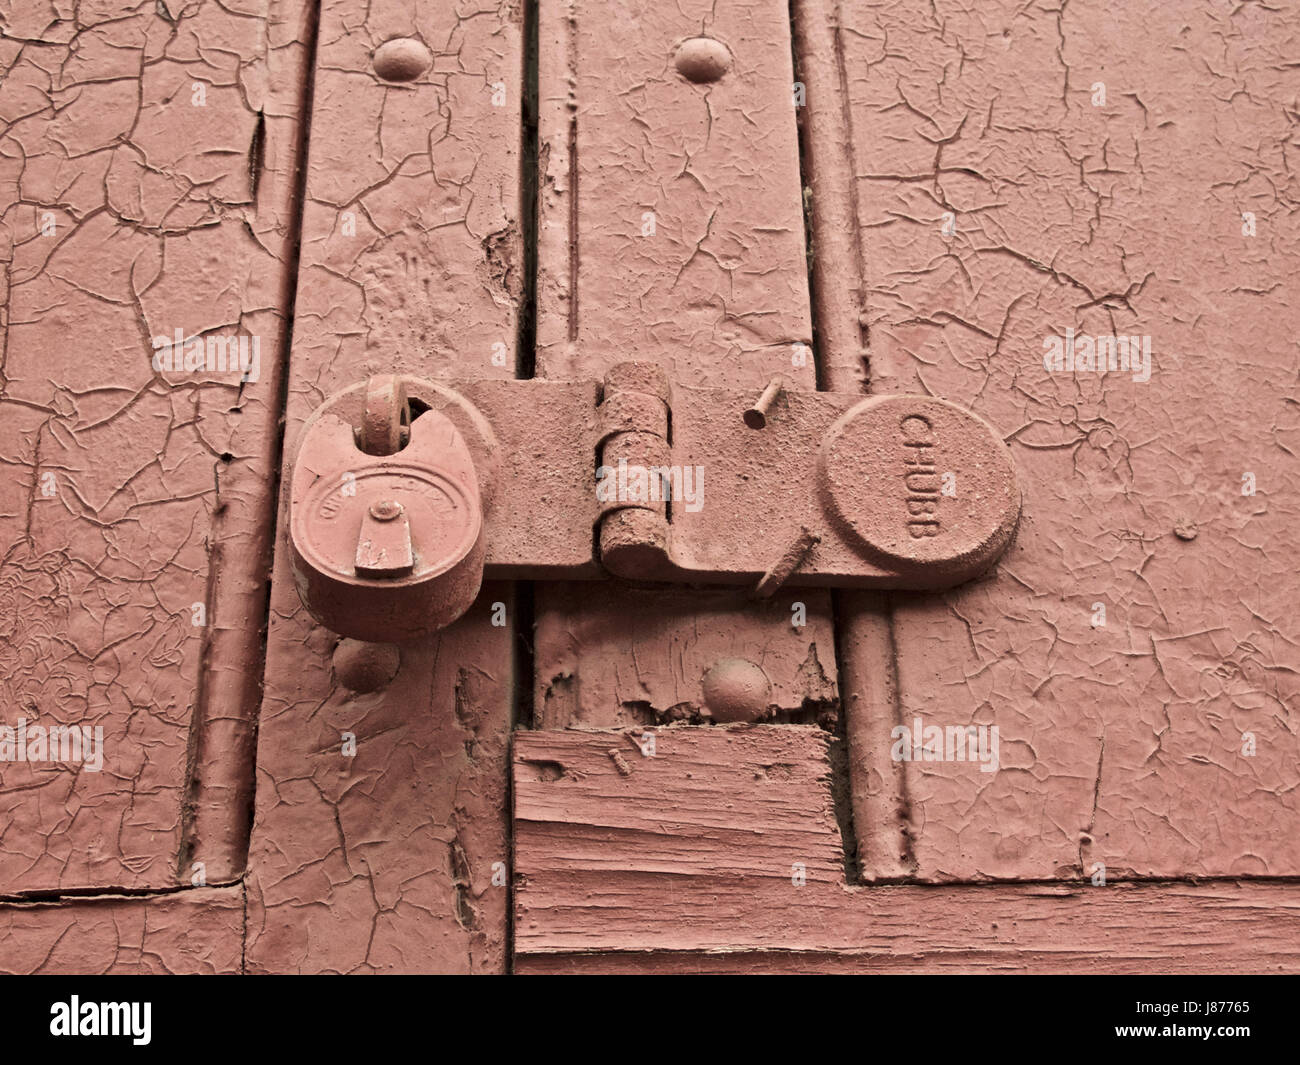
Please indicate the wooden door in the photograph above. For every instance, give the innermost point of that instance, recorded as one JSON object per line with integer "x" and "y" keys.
{"x": 604, "y": 775}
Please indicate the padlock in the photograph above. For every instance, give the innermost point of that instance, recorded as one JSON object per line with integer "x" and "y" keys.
{"x": 386, "y": 511}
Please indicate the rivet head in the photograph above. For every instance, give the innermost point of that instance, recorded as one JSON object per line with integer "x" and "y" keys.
{"x": 402, "y": 59}
{"x": 735, "y": 689}
{"x": 385, "y": 510}
{"x": 702, "y": 59}
{"x": 365, "y": 667}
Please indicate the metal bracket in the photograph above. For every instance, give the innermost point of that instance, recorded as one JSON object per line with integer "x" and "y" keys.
{"x": 635, "y": 478}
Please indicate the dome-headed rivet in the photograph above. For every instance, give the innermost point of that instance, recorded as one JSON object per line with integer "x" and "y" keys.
{"x": 735, "y": 689}
{"x": 402, "y": 59}
{"x": 365, "y": 667}
{"x": 702, "y": 59}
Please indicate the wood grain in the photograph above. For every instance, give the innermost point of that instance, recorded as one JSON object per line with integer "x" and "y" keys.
{"x": 683, "y": 863}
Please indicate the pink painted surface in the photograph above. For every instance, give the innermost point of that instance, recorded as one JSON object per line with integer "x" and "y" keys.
{"x": 147, "y": 176}
{"x": 199, "y": 932}
{"x": 1121, "y": 743}
{"x": 720, "y": 852}
{"x": 977, "y": 180}
{"x": 385, "y": 860}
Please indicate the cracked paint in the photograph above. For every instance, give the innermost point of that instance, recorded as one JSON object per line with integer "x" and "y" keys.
{"x": 197, "y": 932}
{"x": 1115, "y": 218}
{"x": 713, "y": 288}
{"x": 671, "y": 225}
{"x": 393, "y": 858}
{"x": 146, "y": 163}
{"x": 997, "y": 202}
{"x": 611, "y": 657}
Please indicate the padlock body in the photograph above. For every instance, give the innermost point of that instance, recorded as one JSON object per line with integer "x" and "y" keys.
{"x": 354, "y": 568}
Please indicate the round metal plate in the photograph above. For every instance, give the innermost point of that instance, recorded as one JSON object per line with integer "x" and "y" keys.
{"x": 444, "y": 525}
{"x": 919, "y": 483}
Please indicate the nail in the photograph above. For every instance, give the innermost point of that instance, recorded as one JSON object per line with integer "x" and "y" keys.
{"x": 756, "y": 416}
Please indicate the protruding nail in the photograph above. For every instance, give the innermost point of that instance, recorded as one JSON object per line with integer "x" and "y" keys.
{"x": 756, "y": 416}
{"x": 784, "y": 567}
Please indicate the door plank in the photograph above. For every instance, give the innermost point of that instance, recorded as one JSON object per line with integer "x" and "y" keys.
{"x": 670, "y": 230}
{"x": 721, "y": 853}
{"x": 395, "y": 859}
{"x": 148, "y": 175}
{"x": 670, "y": 214}
{"x": 612, "y": 656}
{"x": 198, "y": 931}
{"x": 1124, "y": 744}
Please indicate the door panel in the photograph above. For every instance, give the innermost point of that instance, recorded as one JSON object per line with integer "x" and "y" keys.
{"x": 148, "y": 169}
{"x": 670, "y": 231}
{"x": 385, "y": 859}
{"x": 1095, "y": 166}
{"x": 721, "y": 854}
{"x": 670, "y": 215}
{"x": 859, "y": 196}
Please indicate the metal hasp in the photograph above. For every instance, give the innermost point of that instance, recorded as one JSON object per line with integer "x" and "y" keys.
{"x": 405, "y": 492}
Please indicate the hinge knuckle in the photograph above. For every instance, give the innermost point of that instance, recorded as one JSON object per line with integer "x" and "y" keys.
{"x": 635, "y": 456}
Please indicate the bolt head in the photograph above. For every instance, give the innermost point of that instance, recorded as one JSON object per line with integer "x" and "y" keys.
{"x": 365, "y": 667}
{"x": 735, "y": 689}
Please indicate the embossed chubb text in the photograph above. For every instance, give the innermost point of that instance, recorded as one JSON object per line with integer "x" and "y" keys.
{"x": 920, "y": 476}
